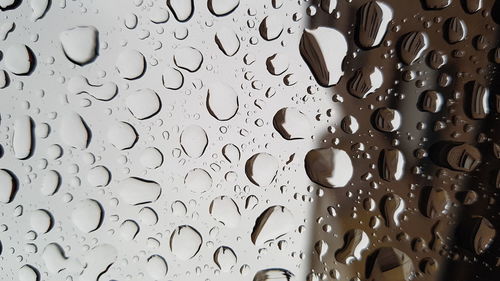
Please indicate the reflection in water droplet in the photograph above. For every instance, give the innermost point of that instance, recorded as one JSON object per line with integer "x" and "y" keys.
{"x": 325, "y": 62}
{"x": 329, "y": 167}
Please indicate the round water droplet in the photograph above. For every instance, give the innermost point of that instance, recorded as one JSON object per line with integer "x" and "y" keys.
{"x": 329, "y": 167}
{"x": 222, "y": 101}
{"x": 194, "y": 141}
{"x": 261, "y": 169}
{"x": 156, "y": 267}
{"x": 198, "y": 180}
{"x": 87, "y": 215}
{"x": 143, "y": 103}
{"x": 130, "y": 64}
{"x": 185, "y": 242}
{"x": 225, "y": 258}
{"x": 19, "y": 59}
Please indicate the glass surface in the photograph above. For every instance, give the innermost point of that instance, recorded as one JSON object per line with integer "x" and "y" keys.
{"x": 249, "y": 140}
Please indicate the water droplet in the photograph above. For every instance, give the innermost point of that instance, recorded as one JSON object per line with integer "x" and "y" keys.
{"x": 23, "y": 139}
{"x": 225, "y": 258}
{"x": 273, "y": 223}
{"x": 292, "y": 124}
{"x": 87, "y": 215}
{"x": 198, "y": 180}
{"x": 274, "y": 274}
{"x": 130, "y": 64}
{"x": 122, "y": 135}
{"x": 374, "y": 17}
{"x": 325, "y": 62}
{"x": 8, "y": 186}
{"x": 225, "y": 210}
{"x": 19, "y": 59}
{"x": 74, "y": 131}
{"x": 222, "y": 7}
{"x": 135, "y": 191}
{"x": 156, "y": 267}
{"x": 261, "y": 169}
{"x": 185, "y": 242}
{"x": 188, "y": 58}
{"x": 194, "y": 141}
{"x": 222, "y": 101}
{"x": 227, "y": 40}
{"x": 143, "y": 103}
{"x": 329, "y": 167}
{"x": 80, "y": 44}
{"x": 182, "y": 9}
{"x": 355, "y": 242}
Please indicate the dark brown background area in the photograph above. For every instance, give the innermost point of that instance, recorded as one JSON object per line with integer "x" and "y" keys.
{"x": 465, "y": 63}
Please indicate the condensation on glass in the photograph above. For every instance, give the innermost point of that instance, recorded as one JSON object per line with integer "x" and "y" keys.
{"x": 252, "y": 140}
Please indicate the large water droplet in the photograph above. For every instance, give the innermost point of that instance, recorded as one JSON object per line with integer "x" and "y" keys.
{"x": 185, "y": 242}
{"x": 329, "y": 167}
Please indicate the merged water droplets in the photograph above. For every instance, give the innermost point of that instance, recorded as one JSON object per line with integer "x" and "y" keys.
{"x": 103, "y": 92}
{"x": 355, "y": 242}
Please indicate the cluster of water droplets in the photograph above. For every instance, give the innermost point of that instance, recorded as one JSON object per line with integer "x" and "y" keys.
{"x": 219, "y": 139}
